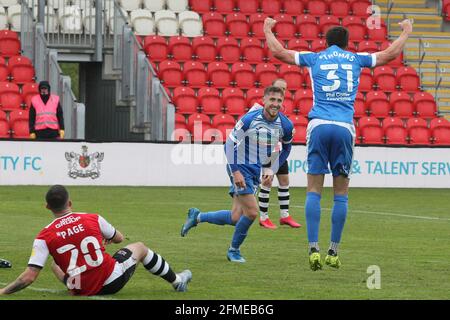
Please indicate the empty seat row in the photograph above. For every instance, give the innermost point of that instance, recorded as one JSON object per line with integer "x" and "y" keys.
{"x": 14, "y": 125}
{"x": 315, "y": 7}
{"x": 288, "y": 26}
{"x": 394, "y": 131}
{"x": 166, "y": 23}
{"x": 155, "y": 5}
{"x": 399, "y": 104}
{"x": 389, "y": 79}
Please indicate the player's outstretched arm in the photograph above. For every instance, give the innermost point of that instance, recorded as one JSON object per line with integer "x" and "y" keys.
{"x": 24, "y": 280}
{"x": 392, "y": 52}
{"x": 277, "y": 49}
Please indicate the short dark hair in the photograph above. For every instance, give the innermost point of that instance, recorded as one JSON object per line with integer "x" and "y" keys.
{"x": 57, "y": 197}
{"x": 337, "y": 36}
{"x": 272, "y": 89}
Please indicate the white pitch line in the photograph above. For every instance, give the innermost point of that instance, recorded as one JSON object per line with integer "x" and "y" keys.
{"x": 386, "y": 214}
{"x": 61, "y": 291}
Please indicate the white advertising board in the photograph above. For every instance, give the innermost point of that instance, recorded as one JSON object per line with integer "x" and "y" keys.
{"x": 154, "y": 164}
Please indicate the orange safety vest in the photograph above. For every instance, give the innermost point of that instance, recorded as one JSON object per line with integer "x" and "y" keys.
{"x": 46, "y": 113}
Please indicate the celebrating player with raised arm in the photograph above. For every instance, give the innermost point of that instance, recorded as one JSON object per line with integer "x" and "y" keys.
{"x": 248, "y": 147}
{"x": 75, "y": 241}
{"x": 330, "y": 133}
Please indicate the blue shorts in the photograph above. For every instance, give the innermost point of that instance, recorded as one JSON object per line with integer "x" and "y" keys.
{"x": 251, "y": 182}
{"x": 330, "y": 144}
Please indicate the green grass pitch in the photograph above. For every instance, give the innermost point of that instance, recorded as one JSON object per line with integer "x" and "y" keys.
{"x": 405, "y": 232}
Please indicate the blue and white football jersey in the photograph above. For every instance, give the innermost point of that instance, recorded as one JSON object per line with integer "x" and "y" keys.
{"x": 254, "y": 139}
{"x": 334, "y": 79}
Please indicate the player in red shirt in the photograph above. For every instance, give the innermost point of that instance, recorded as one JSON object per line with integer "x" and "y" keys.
{"x": 76, "y": 243}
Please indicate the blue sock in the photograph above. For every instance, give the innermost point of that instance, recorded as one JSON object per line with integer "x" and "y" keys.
{"x": 240, "y": 231}
{"x": 338, "y": 216}
{"x": 220, "y": 217}
{"x": 312, "y": 210}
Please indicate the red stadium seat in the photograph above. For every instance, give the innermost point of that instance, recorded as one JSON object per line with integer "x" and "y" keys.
{"x": 4, "y": 126}
{"x": 224, "y": 6}
{"x": 440, "y": 131}
{"x": 394, "y": 131}
{"x": 247, "y": 6}
{"x": 265, "y": 74}
{"x": 180, "y": 48}
{"x": 201, "y": 6}
{"x": 360, "y": 8}
{"x": 377, "y": 33}
{"x": 303, "y": 101}
{"x": 288, "y": 105}
{"x": 214, "y": 24}
{"x": 210, "y": 100}
{"x": 306, "y": 78}
{"x": 378, "y": 104}
{"x": 401, "y": 104}
{"x": 424, "y": 105}
{"x": 397, "y": 62}
{"x": 170, "y": 73}
{"x": 292, "y": 75}
{"x": 156, "y": 48}
{"x": 204, "y": 49}
{"x": 307, "y": 27}
{"x": 10, "y": 98}
{"x": 360, "y": 106}
{"x": 317, "y": 7}
{"x": 366, "y": 80}
{"x": 243, "y": 75}
{"x": 234, "y": 101}
{"x": 326, "y": 22}
{"x": 182, "y": 135}
{"x": 300, "y": 123}
{"x": 352, "y": 47}
{"x": 18, "y": 122}
{"x": 298, "y": 45}
{"x": 219, "y": 75}
{"x": 195, "y": 74}
{"x": 356, "y": 28}
{"x": 252, "y": 51}
{"x": 407, "y": 79}
{"x": 9, "y": 46}
{"x": 21, "y": 70}
{"x": 237, "y": 25}
{"x": 254, "y": 95}
{"x": 418, "y": 131}
{"x": 180, "y": 121}
{"x": 285, "y": 28}
{"x": 339, "y": 8}
{"x": 228, "y": 50}
{"x": 8, "y": 34}
{"x": 185, "y": 100}
{"x": 385, "y": 78}
{"x": 294, "y": 7}
{"x": 298, "y": 120}
{"x": 224, "y": 123}
{"x": 197, "y": 120}
{"x": 318, "y": 45}
{"x": 368, "y": 46}
{"x": 28, "y": 91}
{"x": 370, "y": 130}
{"x": 19, "y": 61}
{"x": 256, "y": 22}
{"x": 271, "y": 7}
{"x": 4, "y": 73}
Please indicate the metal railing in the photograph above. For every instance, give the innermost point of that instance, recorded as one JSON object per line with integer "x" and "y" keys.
{"x": 437, "y": 79}
{"x": 152, "y": 110}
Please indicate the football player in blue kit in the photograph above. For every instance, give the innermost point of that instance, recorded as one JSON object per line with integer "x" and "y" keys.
{"x": 330, "y": 137}
{"x": 248, "y": 148}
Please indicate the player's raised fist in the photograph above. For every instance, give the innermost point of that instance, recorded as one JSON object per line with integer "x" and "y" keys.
{"x": 268, "y": 24}
{"x": 406, "y": 25}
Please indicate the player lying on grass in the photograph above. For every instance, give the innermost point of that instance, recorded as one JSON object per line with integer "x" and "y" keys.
{"x": 76, "y": 243}
{"x": 248, "y": 147}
